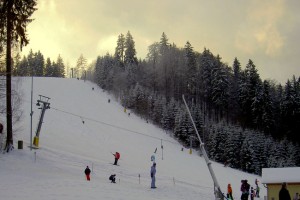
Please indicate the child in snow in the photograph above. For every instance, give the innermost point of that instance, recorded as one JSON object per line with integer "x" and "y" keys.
{"x": 229, "y": 192}
{"x": 112, "y": 178}
{"x": 87, "y": 172}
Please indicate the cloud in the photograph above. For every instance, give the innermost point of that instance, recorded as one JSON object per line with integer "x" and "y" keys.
{"x": 265, "y": 31}
{"x": 261, "y": 31}
{"x": 104, "y": 45}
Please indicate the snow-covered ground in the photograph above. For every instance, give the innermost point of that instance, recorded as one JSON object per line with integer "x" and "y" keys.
{"x": 81, "y": 128}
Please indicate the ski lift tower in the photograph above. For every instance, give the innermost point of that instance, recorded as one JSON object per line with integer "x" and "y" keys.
{"x": 44, "y": 105}
{"x": 217, "y": 190}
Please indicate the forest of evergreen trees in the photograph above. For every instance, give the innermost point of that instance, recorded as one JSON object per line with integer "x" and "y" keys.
{"x": 34, "y": 64}
{"x": 246, "y": 122}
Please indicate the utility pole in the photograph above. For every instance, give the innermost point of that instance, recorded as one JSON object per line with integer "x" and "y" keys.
{"x": 31, "y": 112}
{"x": 44, "y": 106}
{"x": 217, "y": 190}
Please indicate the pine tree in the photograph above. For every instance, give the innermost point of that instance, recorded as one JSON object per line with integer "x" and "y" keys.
{"x": 39, "y": 64}
{"x": 191, "y": 68}
{"x": 290, "y": 109}
{"x": 158, "y": 105}
{"x": 22, "y": 68}
{"x": 206, "y": 62}
{"x": 220, "y": 88}
{"x": 80, "y": 68}
{"x": 14, "y": 17}
{"x": 267, "y": 122}
{"x": 31, "y": 64}
{"x": 164, "y": 44}
{"x": 250, "y": 95}
{"x": 59, "y": 67}
{"x": 235, "y": 80}
{"x": 247, "y": 154}
{"x": 120, "y": 51}
{"x": 130, "y": 52}
{"x": 48, "y": 68}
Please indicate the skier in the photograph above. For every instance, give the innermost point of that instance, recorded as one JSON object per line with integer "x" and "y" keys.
{"x": 284, "y": 193}
{"x": 87, "y": 172}
{"x": 117, "y": 157}
{"x": 152, "y": 173}
{"x": 112, "y": 178}
{"x": 229, "y": 192}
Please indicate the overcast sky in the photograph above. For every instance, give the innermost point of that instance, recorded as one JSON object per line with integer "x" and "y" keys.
{"x": 265, "y": 31}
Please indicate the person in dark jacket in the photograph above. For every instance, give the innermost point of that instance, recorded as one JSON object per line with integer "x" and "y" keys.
{"x": 245, "y": 187}
{"x": 284, "y": 193}
{"x": 87, "y": 172}
{"x": 113, "y": 178}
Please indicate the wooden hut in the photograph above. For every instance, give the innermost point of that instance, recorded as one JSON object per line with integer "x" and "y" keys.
{"x": 272, "y": 178}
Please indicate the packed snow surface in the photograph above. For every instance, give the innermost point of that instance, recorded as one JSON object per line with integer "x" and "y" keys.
{"x": 81, "y": 129}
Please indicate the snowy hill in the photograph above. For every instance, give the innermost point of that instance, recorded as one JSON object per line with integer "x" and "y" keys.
{"x": 81, "y": 128}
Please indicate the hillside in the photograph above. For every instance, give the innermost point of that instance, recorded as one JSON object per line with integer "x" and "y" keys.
{"x": 81, "y": 128}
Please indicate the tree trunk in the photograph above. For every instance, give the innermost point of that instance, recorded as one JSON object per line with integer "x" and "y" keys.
{"x": 9, "y": 140}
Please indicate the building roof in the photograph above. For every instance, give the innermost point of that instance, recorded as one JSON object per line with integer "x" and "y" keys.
{"x": 280, "y": 175}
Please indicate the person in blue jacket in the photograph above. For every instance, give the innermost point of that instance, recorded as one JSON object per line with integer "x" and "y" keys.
{"x": 152, "y": 173}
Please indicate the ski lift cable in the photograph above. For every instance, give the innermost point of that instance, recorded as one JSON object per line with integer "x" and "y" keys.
{"x": 108, "y": 124}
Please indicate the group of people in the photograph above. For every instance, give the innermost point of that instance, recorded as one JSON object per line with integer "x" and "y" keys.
{"x": 87, "y": 172}
{"x": 112, "y": 177}
{"x": 245, "y": 189}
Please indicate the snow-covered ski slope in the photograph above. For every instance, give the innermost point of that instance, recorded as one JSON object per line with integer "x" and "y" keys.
{"x": 81, "y": 128}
